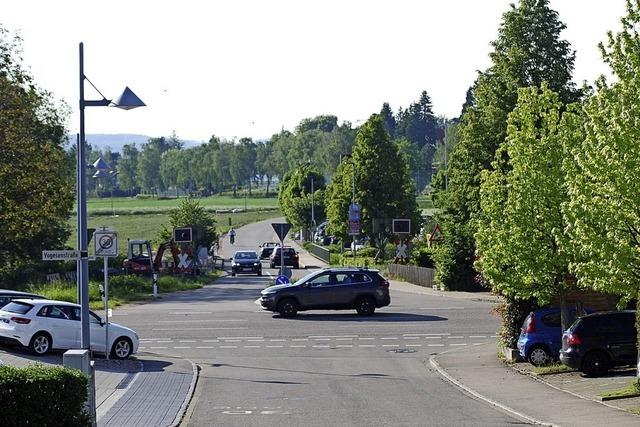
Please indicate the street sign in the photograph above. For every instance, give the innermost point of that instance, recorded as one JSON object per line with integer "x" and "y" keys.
{"x": 281, "y": 229}
{"x": 61, "y": 255}
{"x": 106, "y": 243}
{"x": 354, "y": 228}
{"x": 436, "y": 235}
{"x": 182, "y": 235}
{"x": 282, "y": 280}
{"x": 354, "y": 212}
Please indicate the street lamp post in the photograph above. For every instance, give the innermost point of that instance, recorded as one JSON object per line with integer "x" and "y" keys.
{"x": 126, "y": 101}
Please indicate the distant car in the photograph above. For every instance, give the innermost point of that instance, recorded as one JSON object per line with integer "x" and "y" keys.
{"x": 43, "y": 325}
{"x": 290, "y": 257}
{"x": 329, "y": 289}
{"x": 8, "y": 295}
{"x": 541, "y": 335}
{"x": 265, "y": 249}
{"x": 246, "y": 262}
{"x": 599, "y": 341}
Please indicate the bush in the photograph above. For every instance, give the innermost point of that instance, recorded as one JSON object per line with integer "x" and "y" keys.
{"x": 513, "y": 312}
{"x": 43, "y": 396}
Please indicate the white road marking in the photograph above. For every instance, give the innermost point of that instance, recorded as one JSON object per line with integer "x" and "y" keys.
{"x": 210, "y": 340}
{"x": 274, "y": 346}
{"x": 187, "y": 340}
{"x": 205, "y": 346}
{"x": 240, "y": 338}
{"x": 366, "y": 339}
{"x": 322, "y": 339}
{"x": 433, "y": 338}
{"x": 457, "y": 344}
{"x": 411, "y": 338}
{"x": 332, "y": 336}
{"x": 455, "y": 337}
{"x": 367, "y": 345}
{"x": 277, "y": 340}
{"x": 158, "y": 347}
{"x": 424, "y": 335}
{"x": 414, "y": 345}
{"x": 300, "y": 339}
{"x": 183, "y": 346}
{"x": 320, "y": 346}
{"x": 344, "y": 339}
{"x": 344, "y": 345}
{"x": 391, "y": 345}
{"x": 231, "y": 340}
{"x": 190, "y": 312}
{"x": 228, "y": 346}
{"x": 202, "y": 320}
{"x": 389, "y": 338}
{"x": 251, "y": 346}
{"x": 435, "y": 345}
{"x": 477, "y": 336}
{"x": 441, "y": 308}
{"x": 196, "y": 329}
{"x": 256, "y": 340}
{"x": 298, "y": 346}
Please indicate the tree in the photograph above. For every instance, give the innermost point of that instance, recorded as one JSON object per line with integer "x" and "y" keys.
{"x": 190, "y": 213}
{"x": 388, "y": 119}
{"x": 527, "y": 52}
{"x": 603, "y": 214}
{"x": 295, "y": 195}
{"x": 381, "y": 180}
{"x": 127, "y": 170}
{"x": 35, "y": 195}
{"x": 523, "y": 249}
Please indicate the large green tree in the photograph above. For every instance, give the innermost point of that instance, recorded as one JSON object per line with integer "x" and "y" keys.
{"x": 36, "y": 196}
{"x": 381, "y": 180}
{"x": 604, "y": 211}
{"x": 527, "y": 52}
{"x": 295, "y": 197}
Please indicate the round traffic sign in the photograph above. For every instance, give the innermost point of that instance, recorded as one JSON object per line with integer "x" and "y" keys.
{"x": 105, "y": 242}
{"x": 282, "y": 280}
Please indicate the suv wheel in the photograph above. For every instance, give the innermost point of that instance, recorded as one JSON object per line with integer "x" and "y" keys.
{"x": 122, "y": 348}
{"x": 365, "y": 306}
{"x": 539, "y": 356}
{"x": 288, "y": 307}
{"x": 40, "y": 343}
{"x": 595, "y": 363}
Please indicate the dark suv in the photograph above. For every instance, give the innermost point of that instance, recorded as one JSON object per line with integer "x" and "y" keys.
{"x": 597, "y": 342}
{"x": 290, "y": 257}
{"x": 329, "y": 289}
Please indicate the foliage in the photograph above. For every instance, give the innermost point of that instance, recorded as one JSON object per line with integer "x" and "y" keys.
{"x": 527, "y": 52}
{"x": 35, "y": 195}
{"x": 43, "y": 396}
{"x": 296, "y": 197}
{"x": 190, "y": 213}
{"x": 512, "y": 311}
{"x": 377, "y": 173}
{"x": 521, "y": 240}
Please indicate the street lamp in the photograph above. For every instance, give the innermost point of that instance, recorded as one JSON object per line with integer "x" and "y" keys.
{"x": 126, "y": 101}
{"x": 353, "y": 199}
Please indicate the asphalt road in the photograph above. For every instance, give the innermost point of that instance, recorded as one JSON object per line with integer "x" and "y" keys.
{"x": 318, "y": 369}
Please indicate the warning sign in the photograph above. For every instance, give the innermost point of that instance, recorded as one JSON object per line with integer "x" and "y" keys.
{"x": 436, "y": 235}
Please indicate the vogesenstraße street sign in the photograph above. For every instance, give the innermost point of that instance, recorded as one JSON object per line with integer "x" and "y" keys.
{"x": 60, "y": 255}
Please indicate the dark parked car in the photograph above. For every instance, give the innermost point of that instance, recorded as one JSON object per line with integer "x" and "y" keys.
{"x": 329, "y": 289}
{"x": 265, "y": 249}
{"x": 541, "y": 335}
{"x": 597, "y": 342}
{"x": 246, "y": 262}
{"x": 7, "y": 295}
{"x": 290, "y": 257}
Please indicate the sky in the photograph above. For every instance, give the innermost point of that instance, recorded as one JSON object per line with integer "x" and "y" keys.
{"x": 249, "y": 68}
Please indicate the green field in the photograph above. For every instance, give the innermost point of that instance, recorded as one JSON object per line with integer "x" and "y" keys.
{"x": 144, "y": 219}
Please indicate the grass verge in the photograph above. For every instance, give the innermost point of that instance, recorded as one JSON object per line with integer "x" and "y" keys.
{"x": 632, "y": 390}
{"x": 556, "y": 368}
{"x": 122, "y": 289}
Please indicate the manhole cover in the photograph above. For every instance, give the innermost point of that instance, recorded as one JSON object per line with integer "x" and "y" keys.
{"x": 402, "y": 350}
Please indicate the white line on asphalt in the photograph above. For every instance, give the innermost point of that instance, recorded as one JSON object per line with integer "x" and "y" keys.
{"x": 196, "y": 329}
{"x": 228, "y": 346}
{"x": 366, "y": 339}
{"x": 411, "y": 338}
{"x": 187, "y": 340}
{"x": 433, "y": 338}
{"x": 389, "y": 338}
{"x": 391, "y": 345}
{"x": 190, "y": 312}
{"x": 231, "y": 340}
{"x": 210, "y": 340}
{"x": 300, "y": 339}
{"x": 251, "y": 346}
{"x": 141, "y": 348}
{"x": 206, "y": 346}
{"x": 455, "y": 337}
{"x": 320, "y": 346}
{"x": 298, "y": 346}
{"x": 322, "y": 339}
{"x": 158, "y": 347}
{"x": 414, "y": 345}
{"x": 274, "y": 346}
{"x": 367, "y": 345}
{"x": 435, "y": 345}
{"x": 344, "y": 339}
{"x": 494, "y": 336}
{"x": 183, "y": 346}
{"x": 202, "y": 320}
{"x": 240, "y": 338}
{"x": 477, "y": 336}
{"x": 457, "y": 344}
{"x": 277, "y": 340}
{"x": 441, "y": 308}
{"x": 424, "y": 335}
{"x": 256, "y": 340}
{"x": 332, "y": 336}
{"x": 344, "y": 345}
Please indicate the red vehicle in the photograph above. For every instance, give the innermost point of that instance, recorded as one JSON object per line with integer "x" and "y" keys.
{"x": 140, "y": 259}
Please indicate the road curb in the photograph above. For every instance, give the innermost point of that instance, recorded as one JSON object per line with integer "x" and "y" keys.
{"x": 192, "y": 388}
{"x": 435, "y": 365}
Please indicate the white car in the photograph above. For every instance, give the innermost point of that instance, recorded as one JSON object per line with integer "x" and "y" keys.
{"x": 43, "y": 325}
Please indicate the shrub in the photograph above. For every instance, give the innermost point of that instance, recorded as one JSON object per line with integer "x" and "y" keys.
{"x": 43, "y": 396}
{"x": 513, "y": 312}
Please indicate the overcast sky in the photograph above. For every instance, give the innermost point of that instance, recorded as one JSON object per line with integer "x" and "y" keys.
{"x": 250, "y": 67}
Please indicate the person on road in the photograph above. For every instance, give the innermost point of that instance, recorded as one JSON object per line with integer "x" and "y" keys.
{"x": 232, "y": 235}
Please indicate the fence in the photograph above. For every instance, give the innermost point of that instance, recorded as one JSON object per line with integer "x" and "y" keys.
{"x": 322, "y": 253}
{"x": 417, "y": 275}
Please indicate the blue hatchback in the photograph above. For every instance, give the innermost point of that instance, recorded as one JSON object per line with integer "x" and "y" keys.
{"x": 541, "y": 336}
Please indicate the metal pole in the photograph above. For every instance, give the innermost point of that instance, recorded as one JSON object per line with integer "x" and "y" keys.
{"x": 446, "y": 170}
{"x": 106, "y": 305}
{"x": 313, "y": 217}
{"x": 83, "y": 277}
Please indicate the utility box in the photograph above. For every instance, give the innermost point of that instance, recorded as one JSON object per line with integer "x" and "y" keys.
{"x": 77, "y": 359}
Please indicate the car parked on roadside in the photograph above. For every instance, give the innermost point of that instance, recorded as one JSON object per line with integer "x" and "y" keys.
{"x": 598, "y": 342}
{"x": 8, "y": 295}
{"x": 265, "y": 249}
{"x": 246, "y": 262}
{"x": 291, "y": 257}
{"x": 329, "y": 289}
{"x": 541, "y": 335}
{"x": 43, "y": 325}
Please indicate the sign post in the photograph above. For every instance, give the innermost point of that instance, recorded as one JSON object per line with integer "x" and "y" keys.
{"x": 354, "y": 225}
{"x": 106, "y": 245}
{"x": 281, "y": 229}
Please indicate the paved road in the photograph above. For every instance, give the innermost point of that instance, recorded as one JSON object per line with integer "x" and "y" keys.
{"x": 321, "y": 368}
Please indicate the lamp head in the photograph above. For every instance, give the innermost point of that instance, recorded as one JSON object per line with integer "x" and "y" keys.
{"x": 101, "y": 165}
{"x": 128, "y": 100}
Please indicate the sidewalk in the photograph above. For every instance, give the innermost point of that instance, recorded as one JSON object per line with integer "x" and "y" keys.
{"x": 145, "y": 391}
